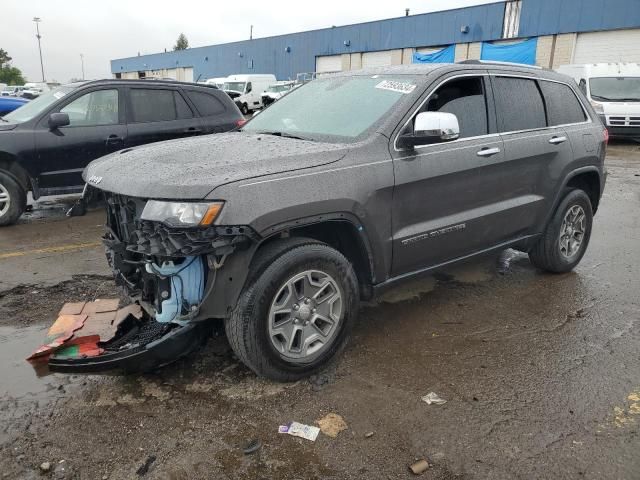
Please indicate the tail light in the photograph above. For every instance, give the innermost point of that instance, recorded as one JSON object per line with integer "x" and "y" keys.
{"x": 241, "y": 122}
{"x": 606, "y": 136}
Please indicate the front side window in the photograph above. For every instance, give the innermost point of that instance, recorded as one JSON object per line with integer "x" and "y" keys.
{"x": 94, "y": 108}
{"x": 344, "y": 107}
{"x": 563, "y": 106}
{"x": 519, "y": 104}
{"x": 615, "y": 89}
{"x": 465, "y": 98}
{"x": 156, "y": 105}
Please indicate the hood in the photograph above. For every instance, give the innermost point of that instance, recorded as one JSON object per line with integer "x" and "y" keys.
{"x": 621, "y": 108}
{"x": 190, "y": 168}
{"x": 6, "y": 126}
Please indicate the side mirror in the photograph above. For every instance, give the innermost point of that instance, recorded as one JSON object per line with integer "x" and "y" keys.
{"x": 431, "y": 127}
{"x": 57, "y": 120}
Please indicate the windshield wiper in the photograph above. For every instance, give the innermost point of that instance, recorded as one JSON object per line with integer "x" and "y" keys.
{"x": 2, "y": 118}
{"x": 283, "y": 134}
{"x": 602, "y": 99}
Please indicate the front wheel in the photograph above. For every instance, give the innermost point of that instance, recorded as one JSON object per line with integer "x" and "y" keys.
{"x": 565, "y": 240}
{"x": 244, "y": 109}
{"x": 296, "y": 314}
{"x": 13, "y": 200}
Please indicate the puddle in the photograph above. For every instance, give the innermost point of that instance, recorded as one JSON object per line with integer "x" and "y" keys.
{"x": 17, "y": 376}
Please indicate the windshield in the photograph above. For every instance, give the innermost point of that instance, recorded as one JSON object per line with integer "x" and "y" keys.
{"x": 616, "y": 89}
{"x": 278, "y": 88}
{"x": 333, "y": 107}
{"x": 34, "y": 107}
{"x": 235, "y": 86}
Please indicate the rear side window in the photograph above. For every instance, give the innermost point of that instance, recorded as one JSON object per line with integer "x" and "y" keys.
{"x": 519, "y": 105}
{"x": 562, "y": 105}
{"x": 206, "y": 103}
{"x": 464, "y": 98}
{"x": 154, "y": 105}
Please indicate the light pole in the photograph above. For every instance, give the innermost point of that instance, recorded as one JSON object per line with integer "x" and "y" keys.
{"x": 82, "y": 62}
{"x": 38, "y": 36}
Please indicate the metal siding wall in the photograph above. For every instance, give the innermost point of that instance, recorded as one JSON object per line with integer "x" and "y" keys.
{"x": 269, "y": 56}
{"x": 546, "y": 17}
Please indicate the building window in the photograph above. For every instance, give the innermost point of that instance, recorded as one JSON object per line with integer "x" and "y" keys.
{"x": 511, "y": 25}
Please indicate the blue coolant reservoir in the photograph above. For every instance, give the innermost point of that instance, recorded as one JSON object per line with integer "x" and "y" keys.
{"x": 187, "y": 287}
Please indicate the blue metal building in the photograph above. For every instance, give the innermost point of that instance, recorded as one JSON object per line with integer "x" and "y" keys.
{"x": 565, "y": 30}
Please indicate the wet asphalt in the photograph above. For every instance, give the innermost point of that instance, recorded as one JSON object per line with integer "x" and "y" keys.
{"x": 541, "y": 372}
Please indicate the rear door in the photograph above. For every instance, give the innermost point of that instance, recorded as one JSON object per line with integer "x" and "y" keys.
{"x": 97, "y": 127}
{"x": 157, "y": 113}
{"x": 216, "y": 115}
{"x": 539, "y": 152}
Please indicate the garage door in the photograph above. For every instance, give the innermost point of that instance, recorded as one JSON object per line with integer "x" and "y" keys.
{"x": 605, "y": 47}
{"x": 329, "y": 63}
{"x": 376, "y": 59}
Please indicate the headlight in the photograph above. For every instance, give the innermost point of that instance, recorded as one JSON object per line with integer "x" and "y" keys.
{"x": 182, "y": 214}
{"x": 598, "y": 108}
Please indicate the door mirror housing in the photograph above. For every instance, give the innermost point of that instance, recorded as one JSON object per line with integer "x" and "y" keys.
{"x": 431, "y": 127}
{"x": 57, "y": 120}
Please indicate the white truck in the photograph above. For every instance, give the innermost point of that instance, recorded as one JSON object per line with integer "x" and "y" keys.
{"x": 218, "y": 82}
{"x": 614, "y": 91}
{"x": 246, "y": 90}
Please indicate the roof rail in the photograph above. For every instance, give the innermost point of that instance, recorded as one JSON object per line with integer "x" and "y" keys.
{"x": 498, "y": 62}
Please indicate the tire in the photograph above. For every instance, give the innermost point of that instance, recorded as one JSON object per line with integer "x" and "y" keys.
{"x": 245, "y": 109}
{"x": 548, "y": 253}
{"x": 250, "y": 328}
{"x": 13, "y": 200}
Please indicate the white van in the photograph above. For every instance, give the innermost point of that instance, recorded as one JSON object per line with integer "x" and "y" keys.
{"x": 614, "y": 91}
{"x": 218, "y": 81}
{"x": 246, "y": 90}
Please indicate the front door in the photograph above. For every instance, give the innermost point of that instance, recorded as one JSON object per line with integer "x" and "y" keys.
{"x": 96, "y": 128}
{"x": 456, "y": 198}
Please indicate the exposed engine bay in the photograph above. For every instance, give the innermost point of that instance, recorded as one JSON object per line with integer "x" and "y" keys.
{"x": 169, "y": 271}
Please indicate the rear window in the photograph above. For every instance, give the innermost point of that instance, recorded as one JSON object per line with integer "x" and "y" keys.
{"x": 155, "y": 105}
{"x": 562, "y": 104}
{"x": 518, "y": 104}
{"x": 206, "y": 103}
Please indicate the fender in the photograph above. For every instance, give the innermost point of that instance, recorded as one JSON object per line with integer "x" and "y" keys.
{"x": 231, "y": 278}
{"x": 565, "y": 182}
{"x": 9, "y": 164}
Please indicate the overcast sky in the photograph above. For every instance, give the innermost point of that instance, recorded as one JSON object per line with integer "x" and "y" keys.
{"x": 106, "y": 29}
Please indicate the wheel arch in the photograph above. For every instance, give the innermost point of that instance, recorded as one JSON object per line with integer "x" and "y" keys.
{"x": 9, "y": 163}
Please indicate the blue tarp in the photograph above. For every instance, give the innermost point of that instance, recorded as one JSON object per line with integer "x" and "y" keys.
{"x": 446, "y": 55}
{"x": 523, "y": 52}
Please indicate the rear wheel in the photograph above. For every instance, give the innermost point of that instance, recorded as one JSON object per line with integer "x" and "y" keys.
{"x": 13, "y": 199}
{"x": 295, "y": 315}
{"x": 565, "y": 241}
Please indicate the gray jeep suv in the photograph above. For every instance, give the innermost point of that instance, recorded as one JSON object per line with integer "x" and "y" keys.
{"x": 344, "y": 187}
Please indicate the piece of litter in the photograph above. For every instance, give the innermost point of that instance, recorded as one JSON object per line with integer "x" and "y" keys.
{"x": 369, "y": 434}
{"x": 433, "y": 398}
{"x": 300, "y": 430}
{"x": 419, "y": 467}
{"x": 252, "y": 447}
{"x": 144, "y": 468}
{"x": 61, "y": 331}
{"x": 332, "y": 424}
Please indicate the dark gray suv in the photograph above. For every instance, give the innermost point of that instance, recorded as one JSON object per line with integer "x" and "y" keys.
{"x": 344, "y": 187}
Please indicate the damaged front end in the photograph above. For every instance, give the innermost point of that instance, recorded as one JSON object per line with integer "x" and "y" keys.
{"x": 167, "y": 260}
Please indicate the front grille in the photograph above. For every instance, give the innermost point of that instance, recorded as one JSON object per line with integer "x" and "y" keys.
{"x": 623, "y": 121}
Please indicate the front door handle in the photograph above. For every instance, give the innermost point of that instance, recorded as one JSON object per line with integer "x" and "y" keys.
{"x": 113, "y": 140}
{"x": 192, "y": 130}
{"x": 557, "y": 140}
{"x": 487, "y": 152}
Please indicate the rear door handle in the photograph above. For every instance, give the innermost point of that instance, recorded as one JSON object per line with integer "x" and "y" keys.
{"x": 113, "y": 139}
{"x": 487, "y": 152}
{"x": 557, "y": 140}
{"x": 192, "y": 130}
